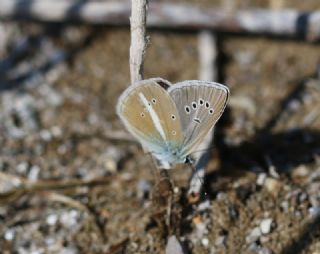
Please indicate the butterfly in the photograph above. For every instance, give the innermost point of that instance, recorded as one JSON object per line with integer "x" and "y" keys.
{"x": 171, "y": 120}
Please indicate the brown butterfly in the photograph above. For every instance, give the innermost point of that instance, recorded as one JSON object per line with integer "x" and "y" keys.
{"x": 170, "y": 121}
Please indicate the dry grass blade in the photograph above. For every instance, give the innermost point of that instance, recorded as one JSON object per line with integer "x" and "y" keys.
{"x": 55, "y": 197}
{"x": 28, "y": 186}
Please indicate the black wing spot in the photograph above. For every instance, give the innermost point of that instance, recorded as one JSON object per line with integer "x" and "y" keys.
{"x": 197, "y": 120}
{"x": 187, "y": 109}
{"x": 173, "y": 117}
{"x": 194, "y": 105}
{"x": 154, "y": 100}
{"x": 174, "y": 133}
{"x": 149, "y": 104}
{"x": 201, "y": 102}
{"x": 211, "y": 111}
{"x": 142, "y": 114}
{"x": 207, "y": 104}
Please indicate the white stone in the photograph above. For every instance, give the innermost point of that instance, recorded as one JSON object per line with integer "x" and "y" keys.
{"x": 314, "y": 211}
{"x": 264, "y": 250}
{"x": 9, "y": 235}
{"x": 56, "y": 131}
{"x": 22, "y": 167}
{"x": 52, "y": 219}
{"x": 34, "y": 173}
{"x": 261, "y": 179}
{"x": 173, "y": 246}
{"x": 254, "y": 235}
{"x": 220, "y": 241}
{"x": 204, "y": 205}
{"x": 265, "y": 226}
{"x": 205, "y": 242}
{"x": 45, "y": 135}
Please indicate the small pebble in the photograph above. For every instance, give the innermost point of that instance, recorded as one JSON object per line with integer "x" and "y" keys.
{"x": 264, "y": 250}
{"x": 220, "y": 241}
{"x": 70, "y": 218}
{"x": 52, "y": 219}
{"x": 264, "y": 239}
{"x": 314, "y": 211}
{"x": 34, "y": 173}
{"x": 313, "y": 193}
{"x": 143, "y": 187}
{"x": 50, "y": 241}
{"x": 294, "y": 105}
{"x": 36, "y": 252}
{"x": 204, "y": 205}
{"x": 300, "y": 171}
{"x": 62, "y": 149}
{"x": 253, "y": 247}
{"x": 303, "y": 197}
{"x": 111, "y": 158}
{"x": 205, "y": 242}
{"x": 174, "y": 246}
{"x": 93, "y": 119}
{"x": 22, "y": 167}
{"x": 285, "y": 206}
{"x": 9, "y": 235}
{"x": 265, "y": 226}
{"x": 56, "y": 131}
{"x": 45, "y": 135}
{"x": 253, "y": 235}
{"x": 68, "y": 250}
{"x": 221, "y": 196}
{"x": 201, "y": 227}
{"x": 298, "y": 214}
{"x": 261, "y": 179}
{"x": 273, "y": 186}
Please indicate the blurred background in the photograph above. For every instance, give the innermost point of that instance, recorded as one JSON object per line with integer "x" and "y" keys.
{"x": 72, "y": 180}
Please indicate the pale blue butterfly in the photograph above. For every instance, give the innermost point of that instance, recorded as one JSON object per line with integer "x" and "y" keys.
{"x": 171, "y": 121}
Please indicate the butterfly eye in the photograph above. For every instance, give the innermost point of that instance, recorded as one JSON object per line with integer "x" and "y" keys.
{"x": 207, "y": 104}
{"x": 211, "y": 111}
{"x": 173, "y": 117}
{"x": 154, "y": 100}
{"x": 194, "y": 105}
{"x": 142, "y": 115}
{"x": 201, "y": 102}
{"x": 187, "y": 109}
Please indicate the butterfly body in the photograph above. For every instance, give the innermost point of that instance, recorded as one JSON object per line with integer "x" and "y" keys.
{"x": 170, "y": 153}
{"x": 170, "y": 121}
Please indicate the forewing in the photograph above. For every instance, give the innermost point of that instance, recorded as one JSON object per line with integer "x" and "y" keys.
{"x": 150, "y": 114}
{"x": 200, "y": 104}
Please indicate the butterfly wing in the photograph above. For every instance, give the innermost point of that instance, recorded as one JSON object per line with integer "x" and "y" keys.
{"x": 200, "y": 104}
{"x": 150, "y": 114}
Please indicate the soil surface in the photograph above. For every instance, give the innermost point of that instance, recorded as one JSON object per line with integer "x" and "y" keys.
{"x": 72, "y": 180}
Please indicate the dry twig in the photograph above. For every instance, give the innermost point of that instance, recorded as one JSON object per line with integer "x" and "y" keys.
{"x": 25, "y": 186}
{"x": 207, "y": 57}
{"x": 138, "y": 39}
